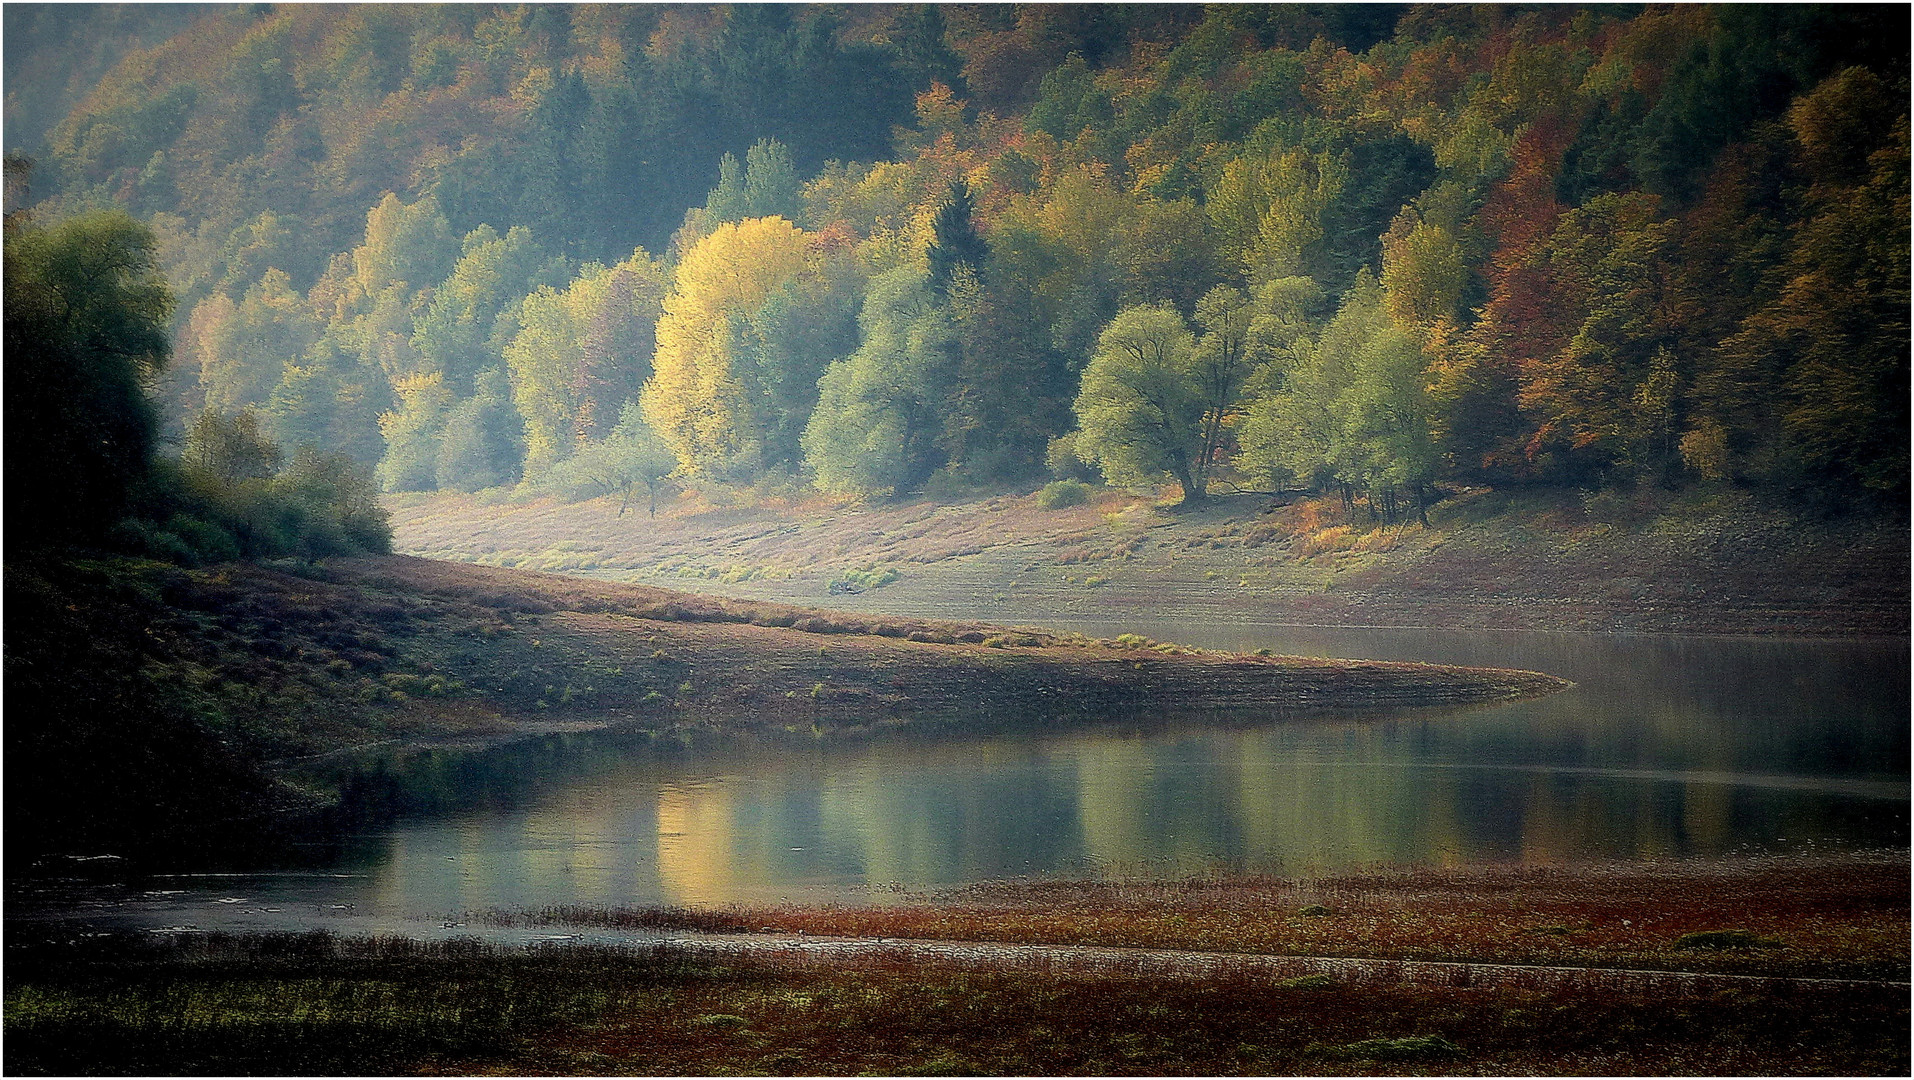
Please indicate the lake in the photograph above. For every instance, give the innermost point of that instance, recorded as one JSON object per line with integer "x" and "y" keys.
{"x": 1665, "y": 747}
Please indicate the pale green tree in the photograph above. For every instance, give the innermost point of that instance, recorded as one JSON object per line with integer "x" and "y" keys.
{"x": 483, "y": 442}
{"x": 1140, "y": 410}
{"x": 243, "y": 348}
{"x": 579, "y": 352}
{"x": 631, "y": 457}
{"x": 474, "y": 311}
{"x": 1349, "y": 409}
{"x": 879, "y": 425}
{"x": 412, "y": 434}
{"x": 329, "y": 398}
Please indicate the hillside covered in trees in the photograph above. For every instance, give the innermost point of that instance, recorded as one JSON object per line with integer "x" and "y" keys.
{"x": 1366, "y": 249}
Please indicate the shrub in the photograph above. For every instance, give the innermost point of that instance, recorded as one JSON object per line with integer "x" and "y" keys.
{"x": 857, "y": 579}
{"x": 948, "y": 485}
{"x": 220, "y": 504}
{"x": 143, "y": 538}
{"x": 1061, "y": 493}
{"x": 1334, "y": 538}
{"x": 1724, "y": 939}
{"x": 1065, "y": 463}
{"x": 209, "y": 541}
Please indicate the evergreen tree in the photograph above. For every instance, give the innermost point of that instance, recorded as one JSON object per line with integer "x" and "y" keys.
{"x": 955, "y": 245}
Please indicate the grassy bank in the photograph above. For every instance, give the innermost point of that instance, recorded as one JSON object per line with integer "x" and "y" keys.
{"x": 1541, "y": 560}
{"x": 321, "y": 1005}
{"x": 139, "y": 687}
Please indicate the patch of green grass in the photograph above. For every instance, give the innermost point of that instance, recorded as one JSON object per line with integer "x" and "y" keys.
{"x": 1725, "y": 939}
{"x": 1403, "y": 1048}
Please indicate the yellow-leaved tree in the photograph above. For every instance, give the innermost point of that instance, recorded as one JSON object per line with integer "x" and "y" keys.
{"x": 698, "y": 400}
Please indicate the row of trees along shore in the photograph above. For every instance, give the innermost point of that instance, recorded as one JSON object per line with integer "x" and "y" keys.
{"x": 1358, "y": 250}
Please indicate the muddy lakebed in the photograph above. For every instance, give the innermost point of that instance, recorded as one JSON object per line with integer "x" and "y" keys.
{"x": 1665, "y": 747}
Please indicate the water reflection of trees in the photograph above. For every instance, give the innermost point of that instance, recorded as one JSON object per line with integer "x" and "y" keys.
{"x": 1652, "y": 761}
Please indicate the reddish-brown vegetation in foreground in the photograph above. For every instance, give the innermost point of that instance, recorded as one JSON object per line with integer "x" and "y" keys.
{"x": 905, "y": 1021}
{"x": 342, "y": 1007}
{"x": 1830, "y": 917}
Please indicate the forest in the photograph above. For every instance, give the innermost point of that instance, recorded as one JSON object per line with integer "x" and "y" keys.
{"x": 878, "y": 250}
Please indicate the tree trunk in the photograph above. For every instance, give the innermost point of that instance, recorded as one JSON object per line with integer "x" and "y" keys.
{"x": 1193, "y": 492}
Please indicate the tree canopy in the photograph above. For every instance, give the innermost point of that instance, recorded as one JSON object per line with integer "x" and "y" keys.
{"x": 1583, "y": 246}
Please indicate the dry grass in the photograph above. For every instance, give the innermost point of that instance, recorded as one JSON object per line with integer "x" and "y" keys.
{"x": 818, "y": 537}
{"x": 1533, "y": 560}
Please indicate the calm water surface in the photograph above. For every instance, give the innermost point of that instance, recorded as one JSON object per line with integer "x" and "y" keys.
{"x": 1665, "y": 747}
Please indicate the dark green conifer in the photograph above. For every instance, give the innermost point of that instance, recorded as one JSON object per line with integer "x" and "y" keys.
{"x": 955, "y": 241}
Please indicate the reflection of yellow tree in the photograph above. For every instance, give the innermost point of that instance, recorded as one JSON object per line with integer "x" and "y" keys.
{"x": 695, "y": 843}
{"x": 1651, "y": 834}
{"x": 1305, "y": 809}
{"x": 1548, "y": 827}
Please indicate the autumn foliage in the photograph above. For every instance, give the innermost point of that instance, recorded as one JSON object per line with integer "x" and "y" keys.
{"x": 1575, "y": 246}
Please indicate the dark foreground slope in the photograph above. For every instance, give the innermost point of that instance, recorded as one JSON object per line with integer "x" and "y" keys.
{"x": 151, "y": 704}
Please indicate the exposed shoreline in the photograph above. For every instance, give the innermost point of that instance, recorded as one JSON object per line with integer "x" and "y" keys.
{"x": 234, "y": 671}
{"x": 1489, "y": 561}
{"x": 759, "y": 665}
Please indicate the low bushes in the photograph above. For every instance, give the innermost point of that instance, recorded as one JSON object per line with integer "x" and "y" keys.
{"x": 1059, "y": 494}
{"x": 229, "y": 497}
